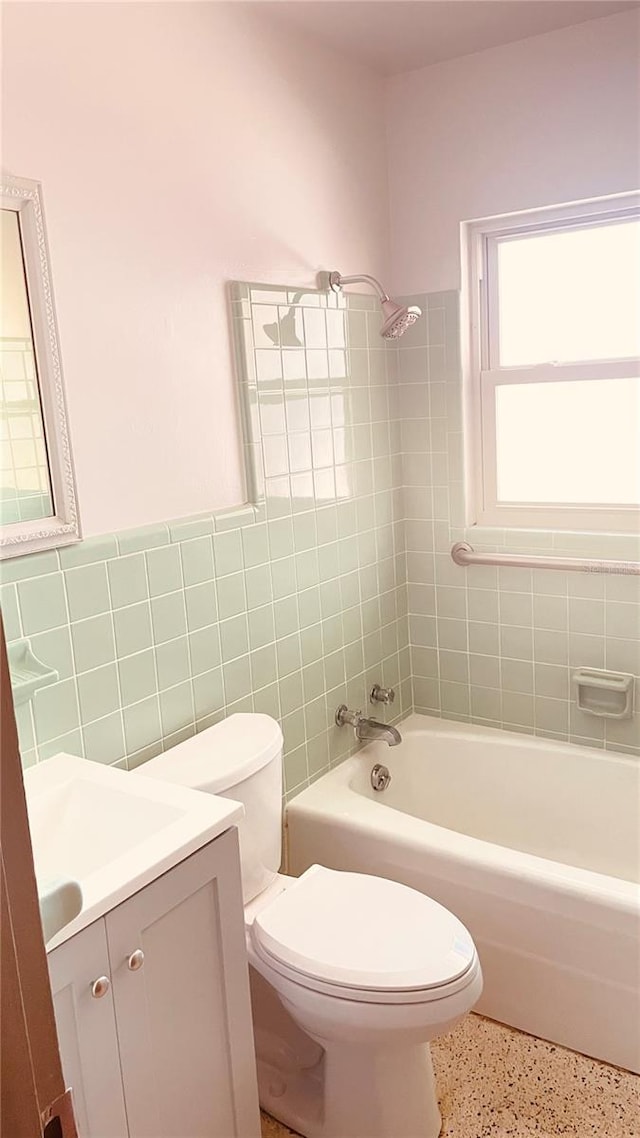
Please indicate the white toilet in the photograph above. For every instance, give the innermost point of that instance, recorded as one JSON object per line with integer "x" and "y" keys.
{"x": 352, "y": 975}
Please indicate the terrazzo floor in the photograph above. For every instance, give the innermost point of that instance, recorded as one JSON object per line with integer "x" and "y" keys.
{"x": 495, "y": 1082}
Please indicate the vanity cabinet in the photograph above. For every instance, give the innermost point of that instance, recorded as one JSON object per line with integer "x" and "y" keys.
{"x": 153, "y": 1011}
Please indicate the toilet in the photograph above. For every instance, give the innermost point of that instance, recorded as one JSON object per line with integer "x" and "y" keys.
{"x": 351, "y": 975}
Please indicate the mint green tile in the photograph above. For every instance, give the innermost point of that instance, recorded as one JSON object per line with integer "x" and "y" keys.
{"x": 208, "y": 693}
{"x": 295, "y": 768}
{"x": 255, "y": 546}
{"x": 334, "y": 670}
{"x": 168, "y": 617}
{"x": 42, "y": 603}
{"x": 266, "y": 701}
{"x": 55, "y": 710}
{"x": 234, "y": 637}
{"x": 235, "y": 519}
{"x": 176, "y": 708}
{"x": 315, "y": 717}
{"x": 197, "y": 560}
{"x": 291, "y": 693}
{"x": 185, "y": 530}
{"x": 263, "y": 666}
{"x": 328, "y": 561}
{"x": 318, "y": 754}
{"x": 311, "y": 644}
{"x": 173, "y": 662}
{"x": 201, "y": 605}
{"x": 307, "y": 570}
{"x": 98, "y": 692}
{"x": 309, "y": 606}
{"x": 133, "y": 629}
{"x": 10, "y": 613}
{"x": 237, "y": 679}
{"x": 304, "y": 532}
{"x": 93, "y": 642}
{"x": 204, "y": 649}
{"x": 280, "y": 532}
{"x": 261, "y": 627}
{"x": 104, "y": 739}
{"x": 180, "y": 736}
{"x": 313, "y": 680}
{"x": 330, "y": 600}
{"x": 283, "y": 578}
{"x": 231, "y": 595}
{"x": 258, "y": 586}
{"x": 227, "y": 552}
{"x": 137, "y": 676}
{"x": 146, "y": 537}
{"x": 87, "y": 591}
{"x": 85, "y": 552}
{"x": 69, "y": 744}
{"x": 293, "y": 730}
{"x": 127, "y": 580}
{"x": 142, "y": 724}
{"x": 53, "y": 648}
{"x": 24, "y": 724}
{"x": 286, "y": 616}
{"x": 164, "y": 570}
{"x": 242, "y": 706}
{"x": 34, "y": 565}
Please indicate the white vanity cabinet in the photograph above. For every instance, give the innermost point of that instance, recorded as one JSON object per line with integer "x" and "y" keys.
{"x": 167, "y": 1050}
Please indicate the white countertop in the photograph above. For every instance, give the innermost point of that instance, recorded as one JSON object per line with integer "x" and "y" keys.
{"x": 113, "y": 831}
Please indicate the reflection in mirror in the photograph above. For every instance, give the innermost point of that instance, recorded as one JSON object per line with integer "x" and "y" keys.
{"x": 37, "y": 487}
{"x": 25, "y": 484}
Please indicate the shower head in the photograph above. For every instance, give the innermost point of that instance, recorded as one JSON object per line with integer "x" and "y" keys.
{"x": 397, "y": 317}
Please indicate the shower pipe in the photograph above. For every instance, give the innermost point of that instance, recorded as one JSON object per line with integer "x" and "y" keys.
{"x": 464, "y": 554}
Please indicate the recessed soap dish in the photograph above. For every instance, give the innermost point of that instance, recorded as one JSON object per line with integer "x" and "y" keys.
{"x": 607, "y": 694}
{"x": 28, "y": 674}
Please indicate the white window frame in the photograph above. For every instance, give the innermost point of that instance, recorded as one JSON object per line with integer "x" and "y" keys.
{"x": 482, "y": 375}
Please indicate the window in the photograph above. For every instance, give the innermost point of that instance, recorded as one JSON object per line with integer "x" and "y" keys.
{"x": 553, "y": 376}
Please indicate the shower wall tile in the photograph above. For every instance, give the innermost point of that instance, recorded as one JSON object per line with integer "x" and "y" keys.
{"x": 488, "y": 645}
{"x": 290, "y": 605}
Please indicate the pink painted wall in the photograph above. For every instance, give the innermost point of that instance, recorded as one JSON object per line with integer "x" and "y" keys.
{"x": 546, "y": 120}
{"x": 180, "y": 145}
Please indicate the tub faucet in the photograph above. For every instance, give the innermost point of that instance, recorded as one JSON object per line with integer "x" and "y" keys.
{"x": 367, "y": 730}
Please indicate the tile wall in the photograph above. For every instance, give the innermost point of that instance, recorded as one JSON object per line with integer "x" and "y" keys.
{"x": 497, "y": 646}
{"x": 291, "y": 606}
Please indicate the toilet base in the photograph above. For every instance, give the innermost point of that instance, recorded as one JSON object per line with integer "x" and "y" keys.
{"x": 356, "y": 1092}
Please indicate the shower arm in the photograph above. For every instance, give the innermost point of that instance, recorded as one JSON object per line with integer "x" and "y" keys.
{"x": 336, "y": 281}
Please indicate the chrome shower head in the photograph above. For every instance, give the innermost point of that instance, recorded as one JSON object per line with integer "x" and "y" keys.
{"x": 397, "y": 317}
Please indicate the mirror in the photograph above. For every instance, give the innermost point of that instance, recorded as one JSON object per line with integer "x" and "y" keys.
{"x": 37, "y": 489}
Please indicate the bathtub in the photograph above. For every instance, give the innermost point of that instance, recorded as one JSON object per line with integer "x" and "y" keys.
{"x": 534, "y": 844}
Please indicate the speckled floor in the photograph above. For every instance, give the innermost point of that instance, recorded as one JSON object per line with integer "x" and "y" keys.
{"x": 494, "y": 1082}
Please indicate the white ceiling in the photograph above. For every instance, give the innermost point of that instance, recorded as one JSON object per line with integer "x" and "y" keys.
{"x": 392, "y": 36}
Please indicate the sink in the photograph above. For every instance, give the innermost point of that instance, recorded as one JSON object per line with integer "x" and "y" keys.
{"x": 99, "y": 834}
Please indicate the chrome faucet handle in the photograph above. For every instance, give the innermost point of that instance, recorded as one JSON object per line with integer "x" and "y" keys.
{"x": 345, "y": 717}
{"x": 381, "y": 695}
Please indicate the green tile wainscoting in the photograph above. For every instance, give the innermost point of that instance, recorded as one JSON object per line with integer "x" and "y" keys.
{"x": 290, "y": 606}
{"x": 337, "y": 577}
{"x": 489, "y": 645}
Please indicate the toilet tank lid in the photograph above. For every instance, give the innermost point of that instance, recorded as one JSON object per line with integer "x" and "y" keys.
{"x": 220, "y": 757}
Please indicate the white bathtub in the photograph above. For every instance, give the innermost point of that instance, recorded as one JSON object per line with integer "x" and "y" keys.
{"x": 535, "y": 845}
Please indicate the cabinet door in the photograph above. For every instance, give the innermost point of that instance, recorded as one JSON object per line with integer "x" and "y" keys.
{"x": 183, "y": 1015}
{"x": 87, "y": 1033}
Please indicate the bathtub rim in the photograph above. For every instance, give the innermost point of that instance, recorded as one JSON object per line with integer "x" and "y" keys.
{"x": 333, "y": 794}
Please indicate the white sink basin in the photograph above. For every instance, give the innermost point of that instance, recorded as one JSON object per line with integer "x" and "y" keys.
{"x": 111, "y": 832}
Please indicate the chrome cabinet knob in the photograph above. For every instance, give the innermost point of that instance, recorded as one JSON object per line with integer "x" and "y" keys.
{"x": 136, "y": 960}
{"x": 100, "y": 987}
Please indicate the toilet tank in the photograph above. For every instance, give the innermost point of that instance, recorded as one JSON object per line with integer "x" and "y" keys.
{"x": 238, "y": 758}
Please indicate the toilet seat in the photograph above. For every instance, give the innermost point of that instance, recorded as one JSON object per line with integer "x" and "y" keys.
{"x": 364, "y": 938}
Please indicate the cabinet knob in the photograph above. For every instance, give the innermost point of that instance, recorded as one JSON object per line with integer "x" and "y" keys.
{"x": 100, "y": 987}
{"x": 136, "y": 960}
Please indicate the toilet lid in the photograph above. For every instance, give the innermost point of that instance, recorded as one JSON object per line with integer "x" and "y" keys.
{"x": 363, "y": 932}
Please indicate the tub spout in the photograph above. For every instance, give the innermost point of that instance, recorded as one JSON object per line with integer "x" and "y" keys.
{"x": 367, "y": 730}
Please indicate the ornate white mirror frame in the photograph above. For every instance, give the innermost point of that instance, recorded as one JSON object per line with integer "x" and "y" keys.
{"x": 62, "y": 527}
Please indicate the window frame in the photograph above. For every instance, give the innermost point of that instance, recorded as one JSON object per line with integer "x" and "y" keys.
{"x": 482, "y": 372}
